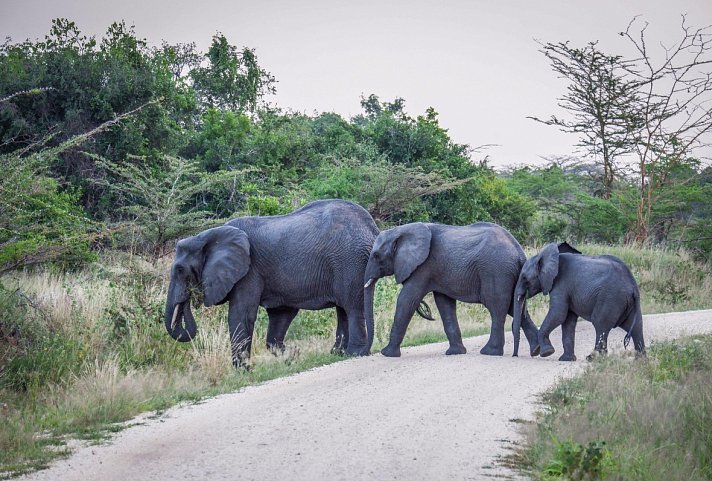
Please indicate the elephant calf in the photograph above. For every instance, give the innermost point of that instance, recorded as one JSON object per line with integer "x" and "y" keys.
{"x": 476, "y": 263}
{"x": 600, "y": 289}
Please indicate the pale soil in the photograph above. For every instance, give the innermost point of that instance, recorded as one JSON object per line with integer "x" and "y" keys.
{"x": 425, "y": 416}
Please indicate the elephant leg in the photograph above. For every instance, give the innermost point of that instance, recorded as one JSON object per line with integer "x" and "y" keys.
{"x": 241, "y": 323}
{"x": 637, "y": 335}
{"x": 408, "y": 300}
{"x": 601, "y": 346}
{"x": 568, "y": 337}
{"x": 558, "y": 312}
{"x": 355, "y": 341}
{"x": 448, "y": 313}
{"x": 342, "y": 332}
{"x": 495, "y": 344}
{"x": 279, "y": 321}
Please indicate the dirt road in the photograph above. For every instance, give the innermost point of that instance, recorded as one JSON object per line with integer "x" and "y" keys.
{"x": 425, "y": 416}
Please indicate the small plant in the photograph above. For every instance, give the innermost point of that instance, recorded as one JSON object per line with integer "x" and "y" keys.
{"x": 577, "y": 462}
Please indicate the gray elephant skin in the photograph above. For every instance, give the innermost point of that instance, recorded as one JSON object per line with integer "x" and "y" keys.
{"x": 478, "y": 263}
{"x": 600, "y": 289}
{"x": 313, "y": 258}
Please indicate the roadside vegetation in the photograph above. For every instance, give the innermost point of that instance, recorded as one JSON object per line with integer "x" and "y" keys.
{"x": 629, "y": 419}
{"x": 112, "y": 149}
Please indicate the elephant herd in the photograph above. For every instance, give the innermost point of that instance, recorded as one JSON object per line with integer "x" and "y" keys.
{"x": 330, "y": 253}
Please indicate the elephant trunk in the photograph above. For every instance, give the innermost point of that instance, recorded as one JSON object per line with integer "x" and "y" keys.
{"x": 176, "y": 314}
{"x": 368, "y": 291}
{"x": 520, "y": 303}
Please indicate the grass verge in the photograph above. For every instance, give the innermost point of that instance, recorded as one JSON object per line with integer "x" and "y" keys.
{"x": 628, "y": 419}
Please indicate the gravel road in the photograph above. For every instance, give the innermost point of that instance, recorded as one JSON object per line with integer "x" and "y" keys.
{"x": 425, "y": 416}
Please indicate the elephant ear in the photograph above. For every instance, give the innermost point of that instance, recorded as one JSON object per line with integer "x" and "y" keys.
{"x": 548, "y": 267}
{"x": 227, "y": 260}
{"x": 412, "y": 247}
{"x": 566, "y": 248}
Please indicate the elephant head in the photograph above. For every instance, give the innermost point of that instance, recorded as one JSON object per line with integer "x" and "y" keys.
{"x": 398, "y": 251}
{"x": 537, "y": 275}
{"x": 213, "y": 262}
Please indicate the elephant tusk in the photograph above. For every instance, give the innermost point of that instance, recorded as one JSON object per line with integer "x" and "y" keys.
{"x": 370, "y": 281}
{"x": 175, "y": 316}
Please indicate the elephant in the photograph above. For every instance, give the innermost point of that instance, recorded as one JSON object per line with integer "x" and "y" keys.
{"x": 600, "y": 289}
{"x": 476, "y": 263}
{"x": 312, "y": 258}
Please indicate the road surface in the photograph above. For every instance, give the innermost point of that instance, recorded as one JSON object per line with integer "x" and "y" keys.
{"x": 425, "y": 416}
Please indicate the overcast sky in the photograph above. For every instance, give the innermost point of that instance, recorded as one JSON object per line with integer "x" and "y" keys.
{"x": 475, "y": 62}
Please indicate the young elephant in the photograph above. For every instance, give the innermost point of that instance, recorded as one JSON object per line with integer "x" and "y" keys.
{"x": 476, "y": 263}
{"x": 600, "y": 289}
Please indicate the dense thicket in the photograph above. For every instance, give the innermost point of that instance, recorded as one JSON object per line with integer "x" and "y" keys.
{"x": 112, "y": 142}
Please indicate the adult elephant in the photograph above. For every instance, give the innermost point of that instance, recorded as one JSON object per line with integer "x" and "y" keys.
{"x": 600, "y": 289}
{"x": 478, "y": 263}
{"x": 313, "y": 258}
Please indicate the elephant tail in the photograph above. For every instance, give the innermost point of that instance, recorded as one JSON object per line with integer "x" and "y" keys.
{"x": 423, "y": 311}
{"x": 637, "y": 316}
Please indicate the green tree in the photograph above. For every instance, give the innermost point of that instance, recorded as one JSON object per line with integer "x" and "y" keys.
{"x": 232, "y": 79}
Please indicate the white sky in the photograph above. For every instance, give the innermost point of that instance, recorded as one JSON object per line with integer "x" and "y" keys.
{"x": 475, "y": 62}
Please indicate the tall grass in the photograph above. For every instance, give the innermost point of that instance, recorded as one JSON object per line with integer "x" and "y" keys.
{"x": 82, "y": 350}
{"x": 643, "y": 420}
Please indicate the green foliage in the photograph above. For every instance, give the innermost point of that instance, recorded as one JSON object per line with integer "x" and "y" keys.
{"x": 39, "y": 222}
{"x": 157, "y": 200}
{"x": 575, "y": 462}
{"x": 386, "y": 190}
{"x": 231, "y": 80}
{"x": 568, "y": 209}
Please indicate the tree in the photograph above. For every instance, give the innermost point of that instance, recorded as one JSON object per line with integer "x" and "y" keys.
{"x": 598, "y": 97}
{"x": 673, "y": 109}
{"x": 161, "y": 205}
{"x": 384, "y": 189}
{"x": 656, "y": 106}
{"x": 231, "y": 79}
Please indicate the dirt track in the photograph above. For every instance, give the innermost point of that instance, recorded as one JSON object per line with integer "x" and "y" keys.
{"x": 425, "y": 416}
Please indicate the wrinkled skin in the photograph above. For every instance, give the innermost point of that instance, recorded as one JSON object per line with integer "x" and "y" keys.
{"x": 478, "y": 263}
{"x": 313, "y": 258}
{"x": 600, "y": 289}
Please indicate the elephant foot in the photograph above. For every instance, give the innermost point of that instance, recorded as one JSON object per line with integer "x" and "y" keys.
{"x": 338, "y": 350}
{"x": 391, "y": 351}
{"x": 492, "y": 351}
{"x": 596, "y": 354}
{"x": 547, "y": 350}
{"x": 357, "y": 351}
{"x": 534, "y": 352}
{"x": 456, "y": 350}
{"x": 567, "y": 357}
{"x": 276, "y": 348}
{"x": 241, "y": 364}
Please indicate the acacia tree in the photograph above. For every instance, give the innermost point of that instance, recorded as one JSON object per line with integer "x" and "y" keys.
{"x": 597, "y": 97}
{"x": 673, "y": 111}
{"x": 655, "y": 107}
